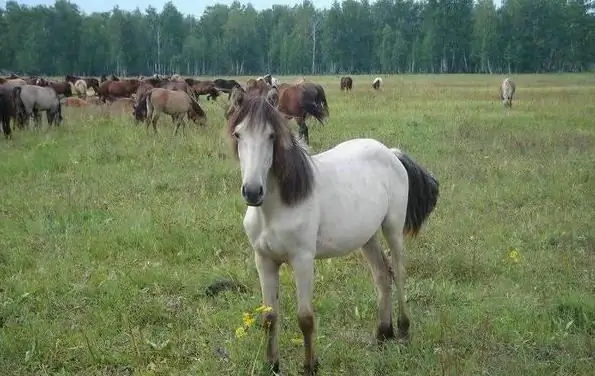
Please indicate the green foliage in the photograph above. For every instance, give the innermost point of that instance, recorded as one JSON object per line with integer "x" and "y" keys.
{"x": 388, "y": 36}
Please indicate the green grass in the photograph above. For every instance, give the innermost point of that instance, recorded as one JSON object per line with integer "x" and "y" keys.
{"x": 109, "y": 236}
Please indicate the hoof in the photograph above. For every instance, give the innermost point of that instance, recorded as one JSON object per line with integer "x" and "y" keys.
{"x": 403, "y": 330}
{"x": 273, "y": 368}
{"x": 385, "y": 332}
{"x": 311, "y": 369}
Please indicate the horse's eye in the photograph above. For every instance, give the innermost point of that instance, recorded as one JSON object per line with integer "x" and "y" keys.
{"x": 236, "y": 135}
{"x": 272, "y": 137}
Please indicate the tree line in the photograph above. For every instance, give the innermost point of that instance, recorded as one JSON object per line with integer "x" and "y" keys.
{"x": 356, "y": 37}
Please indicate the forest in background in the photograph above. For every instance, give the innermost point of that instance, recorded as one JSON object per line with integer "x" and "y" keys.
{"x": 356, "y": 37}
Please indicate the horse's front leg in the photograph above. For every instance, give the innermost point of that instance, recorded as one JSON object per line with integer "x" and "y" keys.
{"x": 303, "y": 269}
{"x": 303, "y": 130}
{"x": 268, "y": 272}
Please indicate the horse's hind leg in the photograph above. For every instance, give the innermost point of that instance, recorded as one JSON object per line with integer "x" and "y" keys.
{"x": 382, "y": 275}
{"x": 392, "y": 227}
{"x": 36, "y": 118}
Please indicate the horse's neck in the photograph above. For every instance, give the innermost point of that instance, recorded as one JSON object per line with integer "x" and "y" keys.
{"x": 272, "y": 202}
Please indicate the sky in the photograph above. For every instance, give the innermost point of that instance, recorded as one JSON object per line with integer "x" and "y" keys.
{"x": 193, "y": 7}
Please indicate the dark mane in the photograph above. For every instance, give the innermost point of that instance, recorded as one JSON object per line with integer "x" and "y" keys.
{"x": 196, "y": 106}
{"x": 291, "y": 163}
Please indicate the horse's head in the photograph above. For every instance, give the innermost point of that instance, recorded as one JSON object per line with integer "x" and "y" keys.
{"x": 264, "y": 144}
{"x": 197, "y": 114}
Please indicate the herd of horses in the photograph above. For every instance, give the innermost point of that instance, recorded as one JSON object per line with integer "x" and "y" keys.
{"x": 23, "y": 99}
{"x": 300, "y": 207}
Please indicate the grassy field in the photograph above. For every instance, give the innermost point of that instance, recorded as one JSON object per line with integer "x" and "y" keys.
{"x": 109, "y": 236}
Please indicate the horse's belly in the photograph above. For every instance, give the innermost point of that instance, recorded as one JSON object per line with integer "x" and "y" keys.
{"x": 345, "y": 230}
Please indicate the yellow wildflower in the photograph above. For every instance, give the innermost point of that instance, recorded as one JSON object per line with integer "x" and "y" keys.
{"x": 514, "y": 255}
{"x": 264, "y": 309}
{"x": 240, "y": 332}
{"x": 248, "y": 319}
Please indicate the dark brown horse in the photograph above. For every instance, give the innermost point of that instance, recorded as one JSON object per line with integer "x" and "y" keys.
{"x": 61, "y": 88}
{"x": 207, "y": 88}
{"x": 112, "y": 90}
{"x": 346, "y": 83}
{"x": 301, "y": 101}
{"x": 226, "y": 86}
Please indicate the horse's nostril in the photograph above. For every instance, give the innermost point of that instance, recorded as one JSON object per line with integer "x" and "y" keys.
{"x": 243, "y": 190}
{"x": 260, "y": 190}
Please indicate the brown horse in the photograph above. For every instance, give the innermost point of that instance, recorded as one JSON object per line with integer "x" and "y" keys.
{"x": 207, "y": 88}
{"x": 61, "y": 88}
{"x": 301, "y": 101}
{"x": 174, "y": 103}
{"x": 152, "y": 83}
{"x": 346, "y": 83}
{"x": 111, "y": 90}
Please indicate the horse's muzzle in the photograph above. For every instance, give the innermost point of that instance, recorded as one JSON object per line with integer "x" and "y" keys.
{"x": 253, "y": 194}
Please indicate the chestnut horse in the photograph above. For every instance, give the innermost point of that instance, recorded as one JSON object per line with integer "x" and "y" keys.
{"x": 111, "y": 90}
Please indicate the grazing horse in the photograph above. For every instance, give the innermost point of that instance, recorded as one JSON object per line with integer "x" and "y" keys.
{"x": 207, "y": 88}
{"x": 174, "y": 103}
{"x": 346, "y": 83}
{"x": 377, "y": 83}
{"x": 317, "y": 92}
{"x": 507, "y": 89}
{"x": 30, "y": 99}
{"x": 226, "y": 86}
{"x": 301, "y": 101}
{"x": 301, "y": 208}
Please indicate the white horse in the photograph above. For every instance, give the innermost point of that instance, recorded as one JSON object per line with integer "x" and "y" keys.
{"x": 302, "y": 208}
{"x": 376, "y": 83}
{"x": 507, "y": 89}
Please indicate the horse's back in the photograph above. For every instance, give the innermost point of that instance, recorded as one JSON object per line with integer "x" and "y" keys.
{"x": 169, "y": 101}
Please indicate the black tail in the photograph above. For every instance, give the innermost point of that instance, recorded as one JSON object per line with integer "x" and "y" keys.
{"x": 423, "y": 194}
{"x": 314, "y": 109}
{"x": 16, "y": 96}
{"x": 5, "y": 117}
